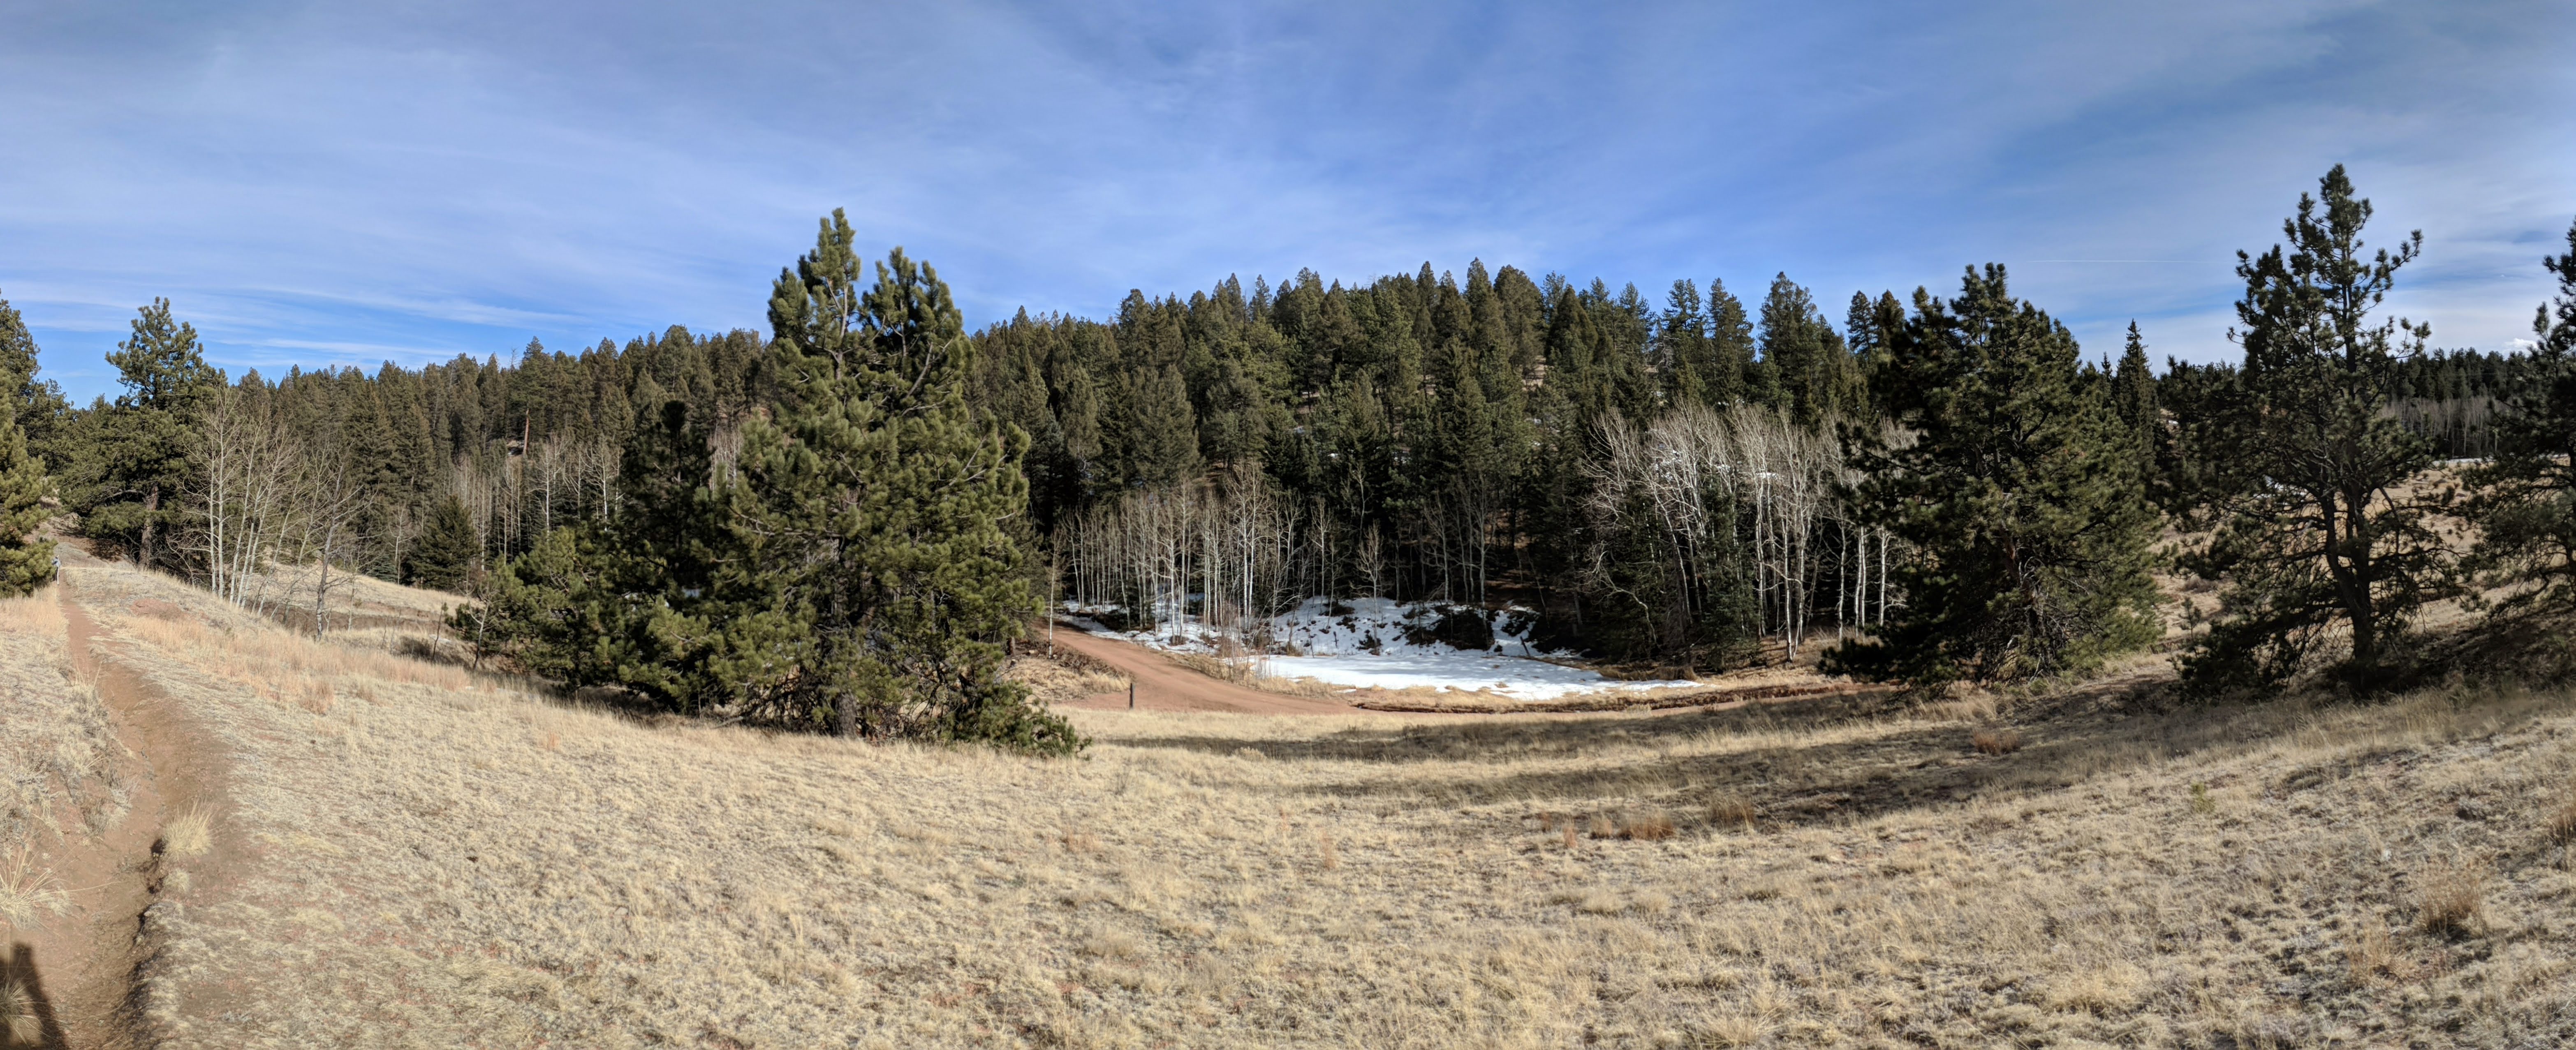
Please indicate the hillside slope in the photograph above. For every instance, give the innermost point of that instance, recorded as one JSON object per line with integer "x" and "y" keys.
{"x": 406, "y": 854}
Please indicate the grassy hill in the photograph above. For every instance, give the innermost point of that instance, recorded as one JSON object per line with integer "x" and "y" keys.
{"x": 391, "y": 851}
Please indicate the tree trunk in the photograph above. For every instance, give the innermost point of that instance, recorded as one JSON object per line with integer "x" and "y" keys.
{"x": 151, "y": 516}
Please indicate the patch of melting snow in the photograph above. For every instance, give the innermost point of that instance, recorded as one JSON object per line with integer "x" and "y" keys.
{"x": 1372, "y": 646}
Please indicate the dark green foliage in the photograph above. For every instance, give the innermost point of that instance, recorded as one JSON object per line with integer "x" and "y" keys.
{"x": 25, "y": 563}
{"x": 447, "y": 549}
{"x": 870, "y": 581}
{"x": 2307, "y": 473}
{"x": 2527, "y": 502}
{"x": 136, "y": 455}
{"x": 35, "y": 404}
{"x": 856, "y": 566}
{"x": 2019, "y": 494}
{"x": 1817, "y": 376}
{"x": 2133, "y": 393}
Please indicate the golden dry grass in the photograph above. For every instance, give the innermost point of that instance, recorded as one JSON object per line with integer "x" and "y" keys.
{"x": 438, "y": 860}
{"x": 189, "y": 833}
{"x": 59, "y": 778}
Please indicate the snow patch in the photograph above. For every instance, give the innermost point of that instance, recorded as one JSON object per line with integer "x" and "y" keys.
{"x": 1371, "y": 643}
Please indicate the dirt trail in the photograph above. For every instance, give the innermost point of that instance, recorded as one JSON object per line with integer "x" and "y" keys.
{"x": 1162, "y": 685}
{"x": 81, "y": 967}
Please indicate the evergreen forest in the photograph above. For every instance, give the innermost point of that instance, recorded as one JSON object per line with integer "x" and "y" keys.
{"x": 842, "y": 523}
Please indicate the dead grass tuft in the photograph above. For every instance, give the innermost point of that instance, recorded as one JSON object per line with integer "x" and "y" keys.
{"x": 2560, "y": 826}
{"x": 1731, "y": 810}
{"x": 1735, "y": 1031}
{"x": 188, "y": 833}
{"x": 2371, "y": 954}
{"x": 1995, "y": 742}
{"x": 317, "y": 698}
{"x": 1646, "y": 827}
{"x": 2449, "y": 897}
{"x": 18, "y": 1017}
{"x": 28, "y": 893}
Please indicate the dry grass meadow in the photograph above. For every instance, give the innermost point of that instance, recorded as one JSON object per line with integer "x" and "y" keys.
{"x": 398, "y": 852}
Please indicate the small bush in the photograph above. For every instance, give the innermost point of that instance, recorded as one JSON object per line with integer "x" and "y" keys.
{"x": 1647, "y": 827}
{"x": 2201, "y": 803}
{"x": 2561, "y": 825}
{"x": 1730, "y": 810}
{"x": 1993, "y": 742}
{"x": 2448, "y": 899}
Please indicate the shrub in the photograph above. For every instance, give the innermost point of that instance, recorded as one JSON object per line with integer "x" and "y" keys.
{"x": 2449, "y": 898}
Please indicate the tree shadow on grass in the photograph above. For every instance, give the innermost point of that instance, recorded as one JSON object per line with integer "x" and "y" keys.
{"x": 1826, "y": 761}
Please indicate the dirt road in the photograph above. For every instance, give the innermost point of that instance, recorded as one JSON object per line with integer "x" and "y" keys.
{"x": 1162, "y": 685}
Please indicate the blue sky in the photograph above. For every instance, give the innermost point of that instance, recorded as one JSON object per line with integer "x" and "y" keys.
{"x": 351, "y": 183}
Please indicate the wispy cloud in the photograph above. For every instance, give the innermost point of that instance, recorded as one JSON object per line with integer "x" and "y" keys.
{"x": 360, "y": 182}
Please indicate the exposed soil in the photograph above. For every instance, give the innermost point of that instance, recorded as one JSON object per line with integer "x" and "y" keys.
{"x": 1162, "y": 685}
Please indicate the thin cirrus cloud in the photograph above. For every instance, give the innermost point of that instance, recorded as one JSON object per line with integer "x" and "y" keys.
{"x": 317, "y": 184}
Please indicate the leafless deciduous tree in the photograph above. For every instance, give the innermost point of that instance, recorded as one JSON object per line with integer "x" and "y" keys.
{"x": 1229, "y": 542}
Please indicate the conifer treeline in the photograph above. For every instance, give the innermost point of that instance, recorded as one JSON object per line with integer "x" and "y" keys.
{"x": 1947, "y": 484}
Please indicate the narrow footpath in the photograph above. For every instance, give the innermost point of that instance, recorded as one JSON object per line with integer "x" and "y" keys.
{"x": 78, "y": 969}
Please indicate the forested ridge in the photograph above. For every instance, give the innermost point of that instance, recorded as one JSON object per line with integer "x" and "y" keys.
{"x": 838, "y": 522}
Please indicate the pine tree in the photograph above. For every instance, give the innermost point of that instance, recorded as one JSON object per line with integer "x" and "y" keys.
{"x": 2133, "y": 392}
{"x": 2019, "y": 495}
{"x": 1817, "y": 376}
{"x": 133, "y": 467}
{"x": 2310, "y": 471}
{"x": 1682, "y": 348}
{"x": 36, "y": 404}
{"x": 2526, "y": 503}
{"x": 1157, "y": 430}
{"x": 871, "y": 581}
{"x": 445, "y": 553}
{"x": 25, "y": 563}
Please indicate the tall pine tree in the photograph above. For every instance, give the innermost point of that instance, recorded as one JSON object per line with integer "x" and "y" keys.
{"x": 2019, "y": 496}
{"x": 445, "y": 553}
{"x": 2133, "y": 392}
{"x": 2311, "y": 474}
{"x": 142, "y": 453}
{"x": 26, "y": 561}
{"x": 871, "y": 579}
{"x": 2527, "y": 499}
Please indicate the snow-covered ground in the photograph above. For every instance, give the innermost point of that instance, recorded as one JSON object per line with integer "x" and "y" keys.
{"x": 1371, "y": 646}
